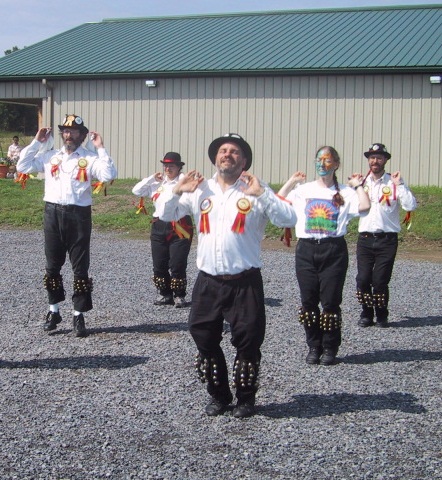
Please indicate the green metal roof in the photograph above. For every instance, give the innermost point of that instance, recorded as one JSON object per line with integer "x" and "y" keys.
{"x": 341, "y": 40}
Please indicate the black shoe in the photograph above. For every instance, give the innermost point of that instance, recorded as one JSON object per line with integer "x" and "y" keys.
{"x": 79, "y": 326}
{"x": 164, "y": 300}
{"x": 382, "y": 322}
{"x": 217, "y": 407}
{"x": 51, "y": 322}
{"x": 244, "y": 410}
{"x": 328, "y": 357}
{"x": 365, "y": 322}
{"x": 313, "y": 356}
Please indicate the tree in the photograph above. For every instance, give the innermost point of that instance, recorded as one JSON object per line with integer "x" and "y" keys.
{"x": 13, "y": 49}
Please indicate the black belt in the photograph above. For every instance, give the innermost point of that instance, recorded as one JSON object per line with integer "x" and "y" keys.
{"x": 67, "y": 208}
{"x": 378, "y": 235}
{"x": 318, "y": 241}
{"x": 235, "y": 276}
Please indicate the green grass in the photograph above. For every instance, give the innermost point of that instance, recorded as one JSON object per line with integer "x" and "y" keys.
{"x": 115, "y": 212}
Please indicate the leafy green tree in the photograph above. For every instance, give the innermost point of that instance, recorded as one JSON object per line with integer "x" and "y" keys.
{"x": 10, "y": 50}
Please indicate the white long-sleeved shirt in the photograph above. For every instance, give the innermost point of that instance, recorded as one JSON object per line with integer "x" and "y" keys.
{"x": 384, "y": 215}
{"x": 148, "y": 187}
{"x": 222, "y": 251}
{"x": 63, "y": 187}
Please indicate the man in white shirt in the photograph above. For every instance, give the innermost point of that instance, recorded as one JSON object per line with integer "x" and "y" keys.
{"x": 67, "y": 218}
{"x": 14, "y": 150}
{"x": 230, "y": 213}
{"x": 378, "y": 236}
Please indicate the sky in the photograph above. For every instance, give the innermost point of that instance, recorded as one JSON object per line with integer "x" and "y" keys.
{"x": 29, "y": 21}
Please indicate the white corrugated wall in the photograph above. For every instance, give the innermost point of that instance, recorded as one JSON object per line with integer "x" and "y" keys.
{"x": 284, "y": 118}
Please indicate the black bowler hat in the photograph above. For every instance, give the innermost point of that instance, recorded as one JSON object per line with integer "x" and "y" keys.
{"x": 377, "y": 149}
{"x": 231, "y": 138}
{"x": 172, "y": 158}
{"x": 73, "y": 121}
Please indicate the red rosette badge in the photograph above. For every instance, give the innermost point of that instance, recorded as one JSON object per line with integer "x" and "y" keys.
{"x": 82, "y": 173}
{"x": 244, "y": 207}
{"x": 205, "y": 207}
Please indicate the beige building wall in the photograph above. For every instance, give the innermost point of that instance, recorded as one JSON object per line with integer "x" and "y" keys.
{"x": 285, "y": 119}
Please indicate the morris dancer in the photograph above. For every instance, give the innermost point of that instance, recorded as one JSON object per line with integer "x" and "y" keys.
{"x": 170, "y": 241}
{"x": 231, "y": 211}
{"x": 378, "y": 235}
{"x": 323, "y": 209}
{"x": 67, "y": 218}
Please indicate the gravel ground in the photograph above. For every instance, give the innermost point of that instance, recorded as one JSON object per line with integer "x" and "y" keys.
{"x": 124, "y": 403}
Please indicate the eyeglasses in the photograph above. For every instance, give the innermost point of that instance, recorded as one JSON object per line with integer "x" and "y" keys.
{"x": 71, "y": 131}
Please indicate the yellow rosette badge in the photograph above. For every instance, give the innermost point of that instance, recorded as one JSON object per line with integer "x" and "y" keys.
{"x": 157, "y": 193}
{"x": 82, "y": 173}
{"x": 55, "y": 163}
{"x": 386, "y": 192}
{"x": 205, "y": 207}
{"x": 244, "y": 207}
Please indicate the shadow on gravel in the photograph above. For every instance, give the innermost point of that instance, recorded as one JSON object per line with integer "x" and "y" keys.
{"x": 380, "y": 356}
{"x": 108, "y": 362}
{"x": 311, "y": 406}
{"x": 273, "y": 302}
{"x": 142, "y": 328}
{"x": 411, "y": 322}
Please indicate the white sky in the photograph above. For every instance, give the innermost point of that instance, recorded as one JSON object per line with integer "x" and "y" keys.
{"x": 26, "y": 22}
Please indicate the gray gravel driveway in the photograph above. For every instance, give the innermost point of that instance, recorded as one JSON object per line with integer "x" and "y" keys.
{"x": 124, "y": 403}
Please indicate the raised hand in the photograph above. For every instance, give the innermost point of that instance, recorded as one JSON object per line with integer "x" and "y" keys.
{"x": 188, "y": 183}
{"x": 253, "y": 185}
{"x": 396, "y": 178}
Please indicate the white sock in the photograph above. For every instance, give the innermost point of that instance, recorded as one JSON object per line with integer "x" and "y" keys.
{"x": 53, "y": 308}
{"x": 76, "y": 313}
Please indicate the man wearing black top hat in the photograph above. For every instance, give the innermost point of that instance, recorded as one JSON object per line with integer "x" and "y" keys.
{"x": 230, "y": 213}
{"x": 378, "y": 235}
{"x": 170, "y": 241}
{"x": 67, "y": 219}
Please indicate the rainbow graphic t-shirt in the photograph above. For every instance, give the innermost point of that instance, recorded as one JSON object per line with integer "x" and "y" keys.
{"x": 321, "y": 217}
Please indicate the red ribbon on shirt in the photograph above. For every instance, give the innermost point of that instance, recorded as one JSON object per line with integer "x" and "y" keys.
{"x": 244, "y": 207}
{"x": 205, "y": 207}
{"x": 157, "y": 193}
{"x": 54, "y": 170}
{"x": 82, "y": 172}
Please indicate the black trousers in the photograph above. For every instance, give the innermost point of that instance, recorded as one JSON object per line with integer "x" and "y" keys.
{"x": 169, "y": 253}
{"x": 321, "y": 269}
{"x": 239, "y": 302}
{"x": 67, "y": 230}
{"x": 375, "y": 255}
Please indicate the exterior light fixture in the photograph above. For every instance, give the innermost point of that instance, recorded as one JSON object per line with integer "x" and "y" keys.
{"x": 436, "y": 79}
{"x": 151, "y": 83}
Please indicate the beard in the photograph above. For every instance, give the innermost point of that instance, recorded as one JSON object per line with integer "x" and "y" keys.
{"x": 71, "y": 145}
{"x": 230, "y": 171}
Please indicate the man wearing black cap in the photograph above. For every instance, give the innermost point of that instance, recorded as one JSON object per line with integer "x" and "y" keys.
{"x": 170, "y": 241}
{"x": 230, "y": 211}
{"x": 378, "y": 235}
{"x": 67, "y": 218}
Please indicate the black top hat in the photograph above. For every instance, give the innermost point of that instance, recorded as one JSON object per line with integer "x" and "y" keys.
{"x": 377, "y": 149}
{"x": 233, "y": 138}
{"x": 73, "y": 121}
{"x": 172, "y": 158}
